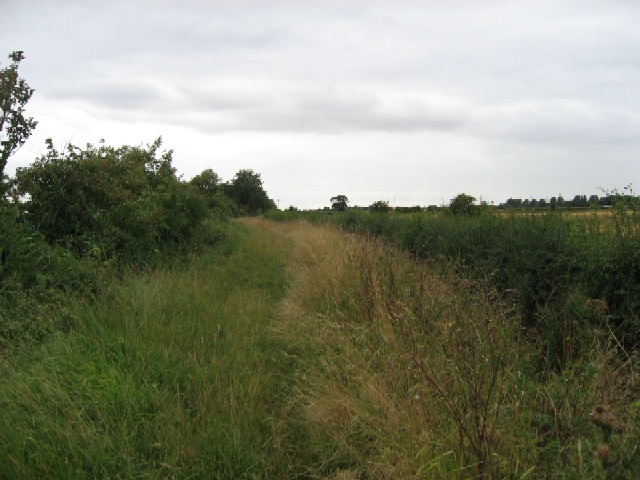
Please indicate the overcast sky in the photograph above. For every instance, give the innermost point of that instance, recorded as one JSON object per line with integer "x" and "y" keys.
{"x": 408, "y": 101}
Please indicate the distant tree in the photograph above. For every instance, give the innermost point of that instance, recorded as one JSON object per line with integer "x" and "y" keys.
{"x": 579, "y": 201}
{"x": 414, "y": 209}
{"x": 542, "y": 203}
{"x": 381, "y": 206}
{"x": 594, "y": 201}
{"x": 207, "y": 182}
{"x": 339, "y": 203}
{"x": 463, "y": 204}
{"x": 15, "y": 128}
{"x": 209, "y": 185}
{"x": 514, "y": 202}
{"x": 607, "y": 200}
{"x": 553, "y": 203}
{"x": 247, "y": 191}
{"x": 292, "y": 209}
{"x": 561, "y": 201}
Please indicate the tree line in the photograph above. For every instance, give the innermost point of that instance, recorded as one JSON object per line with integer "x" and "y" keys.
{"x": 469, "y": 205}
{"x": 608, "y": 199}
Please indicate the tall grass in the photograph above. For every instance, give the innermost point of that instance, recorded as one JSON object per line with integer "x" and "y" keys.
{"x": 409, "y": 371}
{"x": 169, "y": 375}
{"x": 308, "y": 353}
{"x": 566, "y": 273}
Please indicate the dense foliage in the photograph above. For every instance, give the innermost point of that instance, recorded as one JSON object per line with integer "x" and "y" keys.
{"x": 110, "y": 202}
{"x": 246, "y": 190}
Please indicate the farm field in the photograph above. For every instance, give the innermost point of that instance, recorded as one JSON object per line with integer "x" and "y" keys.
{"x": 308, "y": 352}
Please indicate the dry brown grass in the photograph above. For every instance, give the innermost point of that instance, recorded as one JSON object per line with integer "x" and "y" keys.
{"x": 404, "y": 369}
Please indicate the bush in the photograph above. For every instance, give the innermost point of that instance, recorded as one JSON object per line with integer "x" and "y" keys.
{"x": 35, "y": 279}
{"x": 125, "y": 203}
{"x": 381, "y": 206}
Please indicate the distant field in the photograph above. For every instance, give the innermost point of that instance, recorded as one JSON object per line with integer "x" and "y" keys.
{"x": 604, "y": 212}
{"x": 607, "y": 217}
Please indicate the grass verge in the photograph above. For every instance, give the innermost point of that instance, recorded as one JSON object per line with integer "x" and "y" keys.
{"x": 169, "y": 375}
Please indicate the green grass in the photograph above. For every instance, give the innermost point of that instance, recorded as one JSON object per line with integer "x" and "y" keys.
{"x": 169, "y": 375}
{"x": 304, "y": 352}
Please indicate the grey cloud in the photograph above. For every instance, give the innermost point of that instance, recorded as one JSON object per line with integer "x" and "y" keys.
{"x": 118, "y": 94}
{"x": 565, "y": 122}
{"x": 327, "y": 110}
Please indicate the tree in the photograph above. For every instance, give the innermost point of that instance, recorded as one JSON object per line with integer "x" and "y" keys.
{"x": 15, "y": 129}
{"x": 463, "y": 204}
{"x": 209, "y": 185}
{"x": 207, "y": 182}
{"x": 339, "y": 203}
{"x": 560, "y": 201}
{"x": 381, "y": 206}
{"x": 247, "y": 191}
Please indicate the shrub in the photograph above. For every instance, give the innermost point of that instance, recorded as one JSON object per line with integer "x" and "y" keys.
{"x": 124, "y": 203}
{"x": 35, "y": 278}
{"x": 381, "y": 206}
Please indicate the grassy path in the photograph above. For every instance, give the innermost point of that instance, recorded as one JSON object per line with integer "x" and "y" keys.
{"x": 172, "y": 375}
{"x": 307, "y": 353}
